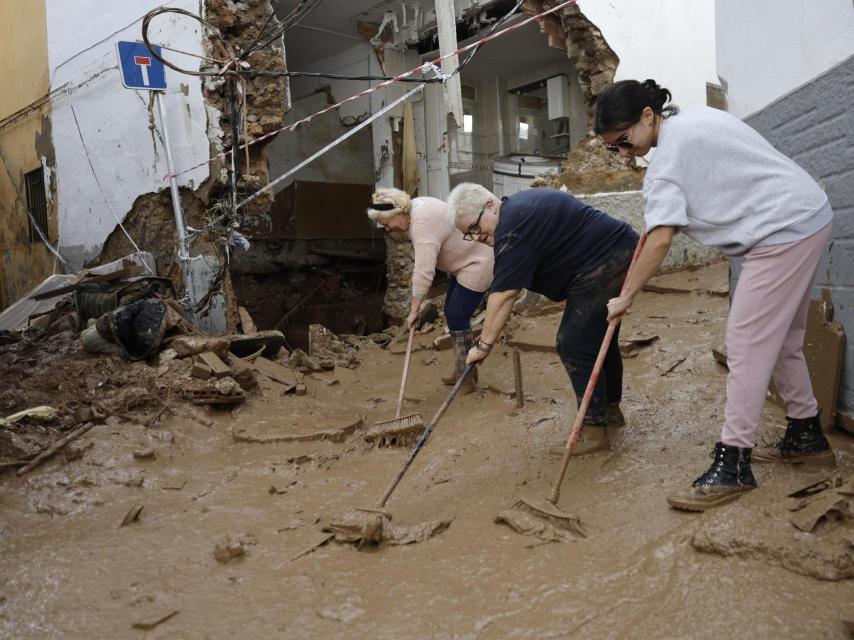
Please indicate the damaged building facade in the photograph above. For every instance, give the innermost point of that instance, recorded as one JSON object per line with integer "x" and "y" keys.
{"x": 98, "y": 148}
{"x": 500, "y": 120}
{"x": 83, "y": 153}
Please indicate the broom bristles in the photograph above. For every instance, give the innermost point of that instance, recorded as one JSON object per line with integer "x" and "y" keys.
{"x": 363, "y": 527}
{"x": 551, "y": 514}
{"x": 397, "y": 432}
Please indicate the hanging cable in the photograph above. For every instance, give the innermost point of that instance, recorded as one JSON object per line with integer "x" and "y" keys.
{"x": 331, "y": 145}
{"x": 423, "y": 68}
{"x": 104, "y": 194}
{"x": 495, "y": 26}
{"x": 30, "y": 215}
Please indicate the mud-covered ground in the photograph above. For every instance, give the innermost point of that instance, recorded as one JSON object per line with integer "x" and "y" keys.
{"x": 69, "y": 570}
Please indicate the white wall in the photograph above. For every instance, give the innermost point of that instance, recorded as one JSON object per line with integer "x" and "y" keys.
{"x": 350, "y": 162}
{"x": 671, "y": 42}
{"x": 766, "y": 48}
{"x": 116, "y": 123}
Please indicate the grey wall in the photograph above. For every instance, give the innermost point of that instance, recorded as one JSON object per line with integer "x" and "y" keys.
{"x": 629, "y": 207}
{"x": 814, "y": 125}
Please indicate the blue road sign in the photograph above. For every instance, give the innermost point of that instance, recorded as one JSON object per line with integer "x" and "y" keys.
{"x": 140, "y": 69}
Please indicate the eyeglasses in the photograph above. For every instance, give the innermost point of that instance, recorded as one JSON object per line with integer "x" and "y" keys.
{"x": 474, "y": 228}
{"x": 623, "y": 141}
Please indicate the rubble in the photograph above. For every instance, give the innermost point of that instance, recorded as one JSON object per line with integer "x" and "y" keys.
{"x": 234, "y": 546}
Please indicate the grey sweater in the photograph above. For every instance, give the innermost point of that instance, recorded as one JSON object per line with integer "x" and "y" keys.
{"x": 725, "y": 186}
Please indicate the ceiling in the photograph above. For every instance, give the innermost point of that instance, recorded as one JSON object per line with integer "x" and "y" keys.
{"x": 511, "y": 54}
{"x": 507, "y": 56}
{"x": 305, "y": 43}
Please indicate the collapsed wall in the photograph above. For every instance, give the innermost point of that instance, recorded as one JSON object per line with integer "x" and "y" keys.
{"x": 150, "y": 220}
{"x": 589, "y": 167}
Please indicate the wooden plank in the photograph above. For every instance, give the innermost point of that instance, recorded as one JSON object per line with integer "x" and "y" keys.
{"x": 85, "y": 277}
{"x": 276, "y": 372}
{"x": 247, "y": 325}
{"x": 201, "y": 370}
{"x": 824, "y": 351}
{"x": 446, "y": 23}
{"x": 215, "y": 364}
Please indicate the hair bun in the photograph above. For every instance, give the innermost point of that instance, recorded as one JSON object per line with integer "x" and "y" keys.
{"x": 649, "y": 83}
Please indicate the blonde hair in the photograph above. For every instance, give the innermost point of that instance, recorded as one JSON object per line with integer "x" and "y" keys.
{"x": 400, "y": 199}
{"x": 467, "y": 199}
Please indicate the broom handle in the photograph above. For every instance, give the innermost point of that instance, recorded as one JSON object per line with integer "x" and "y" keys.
{"x": 591, "y": 384}
{"x": 424, "y": 435}
{"x": 405, "y": 372}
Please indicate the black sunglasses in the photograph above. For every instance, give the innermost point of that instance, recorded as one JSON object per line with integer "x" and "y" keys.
{"x": 474, "y": 228}
{"x": 623, "y": 143}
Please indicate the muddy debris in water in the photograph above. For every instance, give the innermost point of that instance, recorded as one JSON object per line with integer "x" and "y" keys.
{"x": 132, "y": 515}
{"x": 825, "y": 551}
{"x": 148, "y": 625}
{"x": 144, "y": 453}
{"x": 527, "y": 524}
{"x": 234, "y": 546}
{"x": 373, "y": 528}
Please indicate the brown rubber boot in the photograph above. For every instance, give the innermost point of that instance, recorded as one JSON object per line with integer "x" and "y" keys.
{"x": 614, "y": 415}
{"x": 803, "y": 443}
{"x": 462, "y": 341}
{"x": 451, "y": 377}
{"x": 592, "y": 439}
{"x": 728, "y": 477}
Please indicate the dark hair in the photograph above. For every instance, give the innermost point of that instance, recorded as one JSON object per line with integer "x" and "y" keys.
{"x": 620, "y": 105}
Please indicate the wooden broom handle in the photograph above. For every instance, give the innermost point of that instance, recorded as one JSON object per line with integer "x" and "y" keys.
{"x": 591, "y": 384}
{"x": 405, "y": 372}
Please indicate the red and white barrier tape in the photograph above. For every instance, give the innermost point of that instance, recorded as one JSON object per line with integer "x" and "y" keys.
{"x": 332, "y": 144}
{"x": 428, "y": 66}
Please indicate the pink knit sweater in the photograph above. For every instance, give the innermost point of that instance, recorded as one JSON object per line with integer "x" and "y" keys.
{"x": 438, "y": 245}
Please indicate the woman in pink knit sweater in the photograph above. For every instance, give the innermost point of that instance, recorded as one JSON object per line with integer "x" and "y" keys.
{"x": 439, "y": 246}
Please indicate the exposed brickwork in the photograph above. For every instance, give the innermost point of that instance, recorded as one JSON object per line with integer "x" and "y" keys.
{"x": 239, "y": 23}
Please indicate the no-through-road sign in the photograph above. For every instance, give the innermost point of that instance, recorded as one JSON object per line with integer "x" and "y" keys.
{"x": 141, "y": 70}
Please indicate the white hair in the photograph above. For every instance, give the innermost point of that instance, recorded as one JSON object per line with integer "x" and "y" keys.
{"x": 388, "y": 195}
{"x": 467, "y": 199}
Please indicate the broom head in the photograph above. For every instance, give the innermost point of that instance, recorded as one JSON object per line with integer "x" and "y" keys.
{"x": 362, "y": 527}
{"x": 396, "y": 432}
{"x": 547, "y": 511}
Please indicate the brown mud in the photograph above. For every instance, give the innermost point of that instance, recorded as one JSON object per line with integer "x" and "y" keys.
{"x": 259, "y": 504}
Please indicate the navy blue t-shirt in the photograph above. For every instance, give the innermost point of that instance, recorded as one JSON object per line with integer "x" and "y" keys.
{"x": 546, "y": 237}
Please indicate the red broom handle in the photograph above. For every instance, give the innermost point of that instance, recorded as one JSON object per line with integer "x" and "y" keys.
{"x": 591, "y": 384}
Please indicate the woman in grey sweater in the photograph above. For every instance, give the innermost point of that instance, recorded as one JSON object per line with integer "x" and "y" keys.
{"x": 718, "y": 181}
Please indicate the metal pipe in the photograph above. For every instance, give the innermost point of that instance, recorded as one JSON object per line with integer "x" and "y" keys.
{"x": 183, "y": 243}
{"x": 183, "y": 252}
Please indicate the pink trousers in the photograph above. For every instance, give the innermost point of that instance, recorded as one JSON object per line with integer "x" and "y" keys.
{"x": 765, "y": 334}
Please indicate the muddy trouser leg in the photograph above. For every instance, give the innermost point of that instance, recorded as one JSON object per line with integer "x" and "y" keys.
{"x": 460, "y": 304}
{"x": 763, "y": 329}
{"x": 582, "y": 329}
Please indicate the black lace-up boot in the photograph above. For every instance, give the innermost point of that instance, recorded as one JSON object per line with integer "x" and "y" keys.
{"x": 727, "y": 478}
{"x": 803, "y": 443}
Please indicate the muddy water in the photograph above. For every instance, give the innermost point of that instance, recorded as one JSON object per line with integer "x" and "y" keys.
{"x": 69, "y": 570}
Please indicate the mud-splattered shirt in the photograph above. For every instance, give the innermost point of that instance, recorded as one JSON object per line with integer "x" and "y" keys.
{"x": 545, "y": 238}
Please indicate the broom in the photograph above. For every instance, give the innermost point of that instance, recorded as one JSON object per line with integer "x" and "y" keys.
{"x": 400, "y": 431}
{"x": 373, "y": 525}
{"x": 547, "y": 509}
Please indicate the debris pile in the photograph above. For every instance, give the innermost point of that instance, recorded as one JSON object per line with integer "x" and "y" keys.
{"x": 811, "y": 534}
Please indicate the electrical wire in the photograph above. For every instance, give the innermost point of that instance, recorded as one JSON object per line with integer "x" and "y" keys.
{"x": 495, "y": 26}
{"x": 30, "y": 215}
{"x": 103, "y": 193}
{"x": 419, "y": 69}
